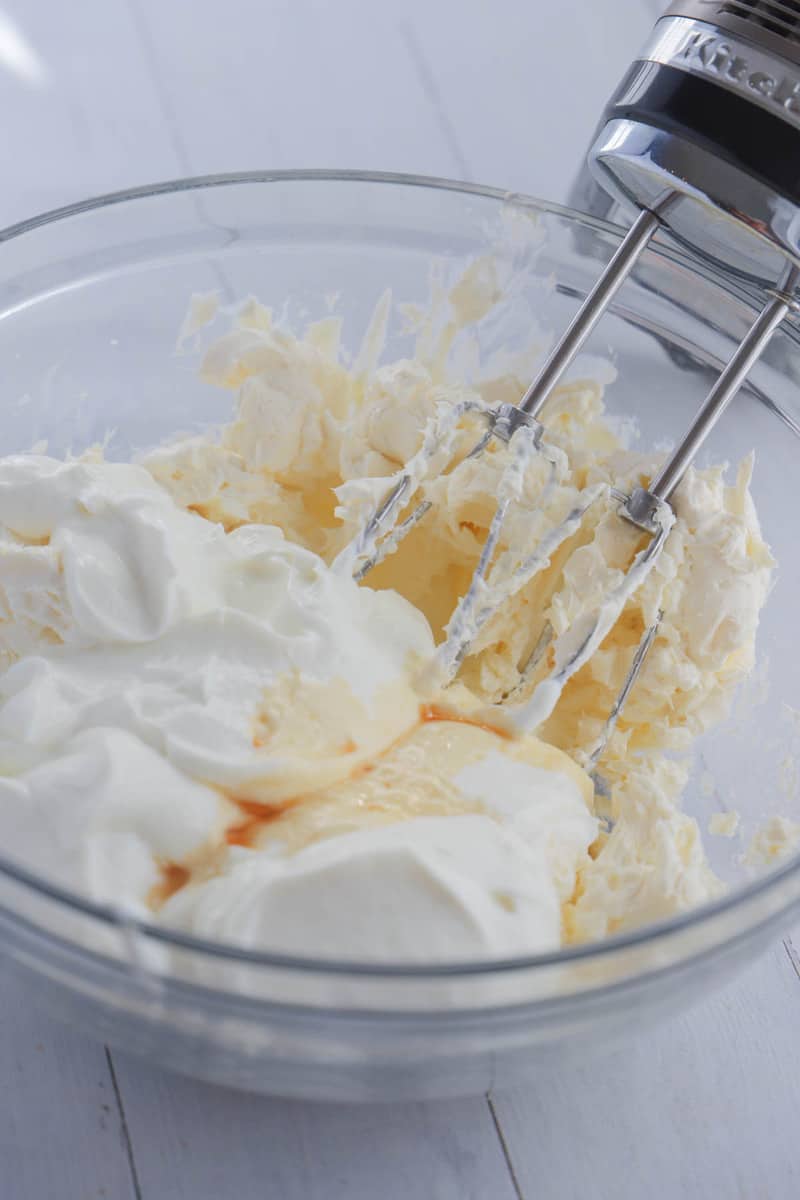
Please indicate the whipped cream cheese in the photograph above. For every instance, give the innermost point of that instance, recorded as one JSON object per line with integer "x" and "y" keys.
{"x": 457, "y": 844}
{"x": 173, "y": 684}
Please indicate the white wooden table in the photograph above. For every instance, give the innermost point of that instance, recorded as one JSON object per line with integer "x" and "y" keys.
{"x": 100, "y": 94}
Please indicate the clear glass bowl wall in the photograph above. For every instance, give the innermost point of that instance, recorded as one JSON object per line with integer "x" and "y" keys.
{"x": 91, "y": 299}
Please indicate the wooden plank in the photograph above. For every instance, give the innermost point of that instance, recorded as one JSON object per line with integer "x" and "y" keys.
{"x": 708, "y": 1105}
{"x": 62, "y": 1134}
{"x": 193, "y": 1141}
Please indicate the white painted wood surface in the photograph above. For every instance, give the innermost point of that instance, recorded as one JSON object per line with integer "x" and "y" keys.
{"x": 105, "y": 93}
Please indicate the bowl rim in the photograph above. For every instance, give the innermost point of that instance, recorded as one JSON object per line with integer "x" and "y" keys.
{"x": 190, "y": 183}
{"x": 652, "y": 933}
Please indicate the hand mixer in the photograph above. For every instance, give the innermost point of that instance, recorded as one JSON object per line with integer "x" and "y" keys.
{"x": 702, "y": 137}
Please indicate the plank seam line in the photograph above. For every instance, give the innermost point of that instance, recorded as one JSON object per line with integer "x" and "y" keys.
{"x": 167, "y": 111}
{"x": 504, "y": 1147}
{"x": 431, "y": 89}
{"x": 126, "y": 1133}
{"x": 794, "y": 958}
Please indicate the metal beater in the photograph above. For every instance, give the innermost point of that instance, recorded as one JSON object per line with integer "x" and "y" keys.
{"x": 702, "y": 138}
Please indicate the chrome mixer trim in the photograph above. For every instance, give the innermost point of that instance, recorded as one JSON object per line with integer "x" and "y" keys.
{"x": 712, "y": 53}
{"x": 711, "y": 111}
{"x": 774, "y": 25}
{"x": 639, "y": 164}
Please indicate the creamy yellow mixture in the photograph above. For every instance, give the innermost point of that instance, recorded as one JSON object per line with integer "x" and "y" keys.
{"x": 304, "y": 425}
{"x": 204, "y": 722}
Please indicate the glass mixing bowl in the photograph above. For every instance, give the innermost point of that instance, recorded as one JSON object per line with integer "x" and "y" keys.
{"x": 91, "y": 298}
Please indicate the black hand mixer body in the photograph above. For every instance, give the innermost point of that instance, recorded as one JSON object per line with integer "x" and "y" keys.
{"x": 708, "y": 119}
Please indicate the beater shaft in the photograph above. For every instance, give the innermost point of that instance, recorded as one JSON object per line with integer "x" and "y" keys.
{"x": 590, "y": 312}
{"x": 643, "y": 502}
{"x": 730, "y": 380}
